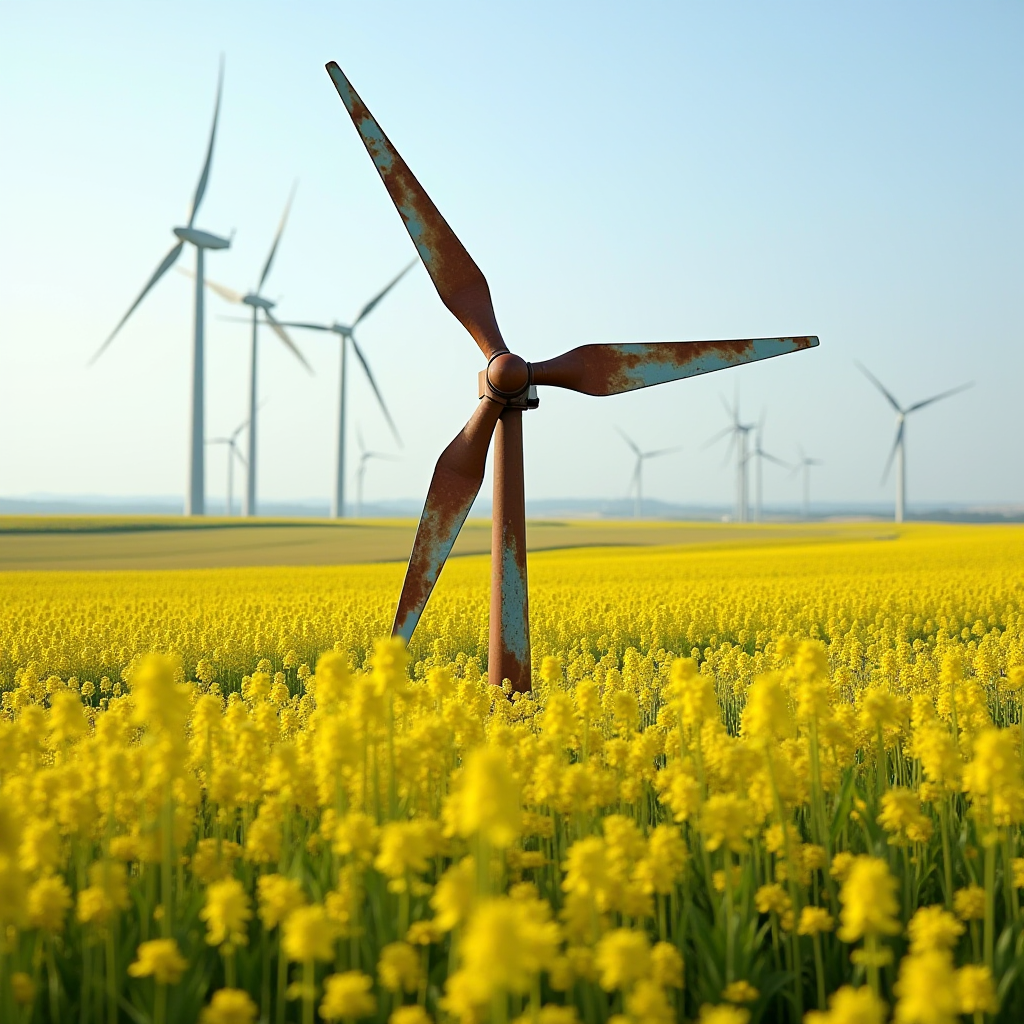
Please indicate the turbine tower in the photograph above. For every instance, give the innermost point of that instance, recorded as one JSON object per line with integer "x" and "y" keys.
{"x": 195, "y": 503}
{"x": 899, "y": 445}
{"x": 737, "y": 432}
{"x": 234, "y": 452}
{"x": 805, "y": 464}
{"x": 348, "y": 336}
{"x": 258, "y": 303}
{"x": 505, "y": 390}
{"x": 637, "y": 479}
{"x": 759, "y": 455}
{"x": 365, "y": 457}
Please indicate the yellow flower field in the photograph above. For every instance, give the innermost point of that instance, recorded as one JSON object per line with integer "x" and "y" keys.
{"x": 774, "y": 781}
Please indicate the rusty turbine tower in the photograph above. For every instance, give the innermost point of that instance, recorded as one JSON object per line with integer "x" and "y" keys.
{"x": 506, "y": 389}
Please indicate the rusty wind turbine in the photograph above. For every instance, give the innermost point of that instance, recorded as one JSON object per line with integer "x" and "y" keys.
{"x": 506, "y": 389}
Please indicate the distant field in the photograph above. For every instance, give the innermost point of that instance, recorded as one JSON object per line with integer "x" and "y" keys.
{"x": 116, "y": 542}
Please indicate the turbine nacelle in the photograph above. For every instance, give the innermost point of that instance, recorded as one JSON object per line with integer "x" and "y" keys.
{"x": 258, "y": 302}
{"x": 202, "y": 239}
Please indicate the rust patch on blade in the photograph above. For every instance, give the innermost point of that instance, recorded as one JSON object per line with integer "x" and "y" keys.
{"x": 458, "y": 280}
{"x": 614, "y": 369}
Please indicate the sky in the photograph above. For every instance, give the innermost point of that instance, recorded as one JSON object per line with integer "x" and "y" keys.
{"x": 620, "y": 172}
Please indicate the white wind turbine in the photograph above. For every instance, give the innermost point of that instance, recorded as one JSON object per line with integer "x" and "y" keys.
{"x": 195, "y": 504}
{"x": 258, "y": 302}
{"x": 347, "y": 334}
{"x": 737, "y": 432}
{"x": 805, "y": 464}
{"x": 366, "y": 456}
{"x": 637, "y": 479}
{"x": 759, "y": 455}
{"x": 234, "y": 452}
{"x": 899, "y": 445}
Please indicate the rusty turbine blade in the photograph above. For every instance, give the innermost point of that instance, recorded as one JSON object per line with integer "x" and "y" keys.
{"x": 613, "y": 369}
{"x": 458, "y": 280}
{"x": 453, "y": 488}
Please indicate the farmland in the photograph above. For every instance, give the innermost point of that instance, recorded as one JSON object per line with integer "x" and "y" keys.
{"x": 764, "y": 774}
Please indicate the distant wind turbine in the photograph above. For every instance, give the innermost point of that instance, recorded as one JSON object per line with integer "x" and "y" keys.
{"x": 805, "y": 464}
{"x": 364, "y": 457}
{"x": 759, "y": 455}
{"x": 637, "y": 480}
{"x": 195, "y": 504}
{"x": 347, "y": 334}
{"x": 899, "y": 445}
{"x": 257, "y": 301}
{"x": 737, "y": 433}
{"x": 234, "y": 452}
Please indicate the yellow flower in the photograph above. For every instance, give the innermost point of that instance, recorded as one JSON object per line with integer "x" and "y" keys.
{"x": 767, "y": 717}
{"x": 332, "y": 679}
{"x": 647, "y": 1002}
{"x": 623, "y": 956}
{"x": 348, "y": 996}
{"x": 229, "y": 1006}
{"x": 227, "y": 913}
{"x": 727, "y": 820}
{"x": 508, "y": 942}
{"x": 49, "y": 901}
{"x": 1017, "y": 866}
{"x": 740, "y": 992}
{"x": 160, "y": 959}
{"x": 868, "y": 896}
{"x": 399, "y": 967}
{"x": 454, "y": 894}
{"x": 850, "y": 1006}
{"x": 487, "y": 799}
{"x": 278, "y": 897}
{"x": 926, "y": 990}
{"x": 933, "y": 928}
{"x": 309, "y": 934}
{"x": 23, "y": 988}
{"x": 389, "y": 661}
{"x": 814, "y": 920}
{"x": 969, "y": 903}
{"x": 411, "y": 1015}
{"x": 667, "y": 965}
{"x": 724, "y": 1014}
{"x": 976, "y": 990}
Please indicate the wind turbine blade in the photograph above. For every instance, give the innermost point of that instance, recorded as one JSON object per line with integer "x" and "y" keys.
{"x": 458, "y": 280}
{"x": 453, "y": 488}
{"x": 205, "y": 176}
{"x": 376, "y": 390}
{"x": 304, "y": 325}
{"x": 279, "y": 330}
{"x": 772, "y": 458}
{"x": 878, "y": 384}
{"x": 718, "y": 437}
{"x": 613, "y": 369}
{"x": 663, "y": 451}
{"x": 372, "y": 304}
{"x": 359, "y": 440}
{"x": 219, "y": 440}
{"x": 221, "y": 289}
{"x": 625, "y": 437}
{"x": 892, "y": 453}
{"x": 730, "y": 411}
{"x": 165, "y": 265}
{"x": 277, "y": 238}
{"x": 938, "y": 398}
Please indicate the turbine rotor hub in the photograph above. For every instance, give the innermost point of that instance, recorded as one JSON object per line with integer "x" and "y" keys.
{"x": 508, "y": 380}
{"x": 508, "y": 374}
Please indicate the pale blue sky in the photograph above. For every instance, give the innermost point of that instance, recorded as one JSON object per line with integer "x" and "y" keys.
{"x": 620, "y": 172}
